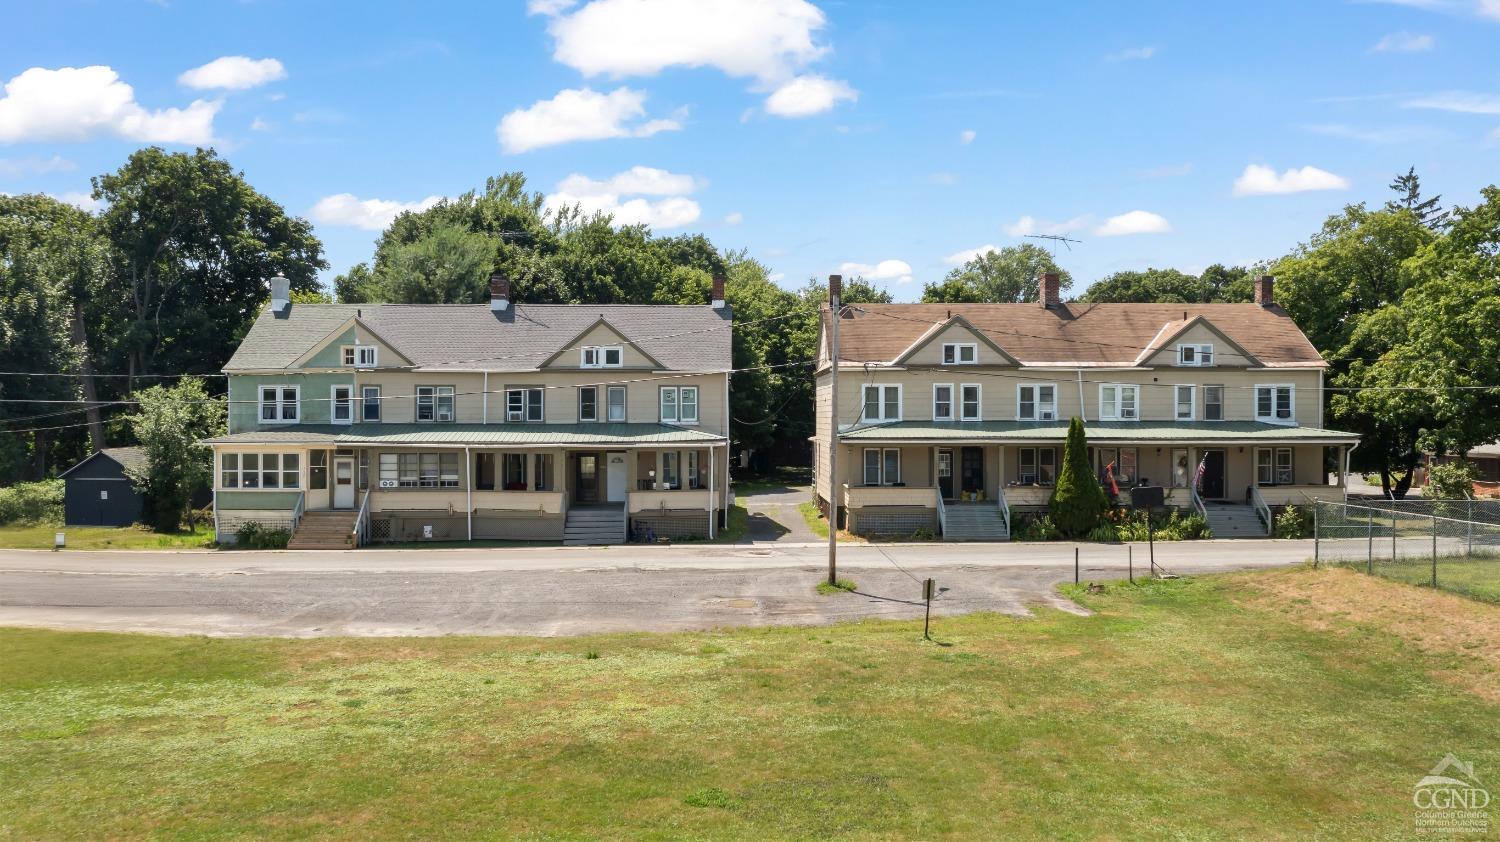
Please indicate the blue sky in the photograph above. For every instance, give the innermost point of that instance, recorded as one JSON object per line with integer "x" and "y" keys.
{"x": 877, "y": 138}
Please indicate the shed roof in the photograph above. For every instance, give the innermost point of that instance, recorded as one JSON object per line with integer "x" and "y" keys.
{"x": 126, "y": 457}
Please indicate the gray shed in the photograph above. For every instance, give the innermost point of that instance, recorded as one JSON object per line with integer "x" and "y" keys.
{"x": 97, "y": 491}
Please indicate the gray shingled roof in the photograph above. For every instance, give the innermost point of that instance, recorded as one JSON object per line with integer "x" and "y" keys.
{"x": 127, "y": 457}
{"x": 358, "y": 435}
{"x": 470, "y": 336}
{"x": 1102, "y": 432}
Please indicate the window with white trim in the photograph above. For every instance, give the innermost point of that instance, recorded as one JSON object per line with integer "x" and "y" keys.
{"x": 969, "y": 402}
{"x": 1119, "y": 402}
{"x": 881, "y": 403}
{"x": 279, "y": 404}
{"x": 602, "y": 356}
{"x": 419, "y": 470}
{"x": 434, "y": 403}
{"x": 1273, "y": 466}
{"x": 360, "y": 356}
{"x": 1197, "y": 355}
{"x": 588, "y": 403}
{"x": 260, "y": 470}
{"x": 1186, "y": 402}
{"x": 341, "y": 404}
{"x": 960, "y": 353}
{"x": 370, "y": 402}
{"x": 679, "y": 404}
{"x": 942, "y": 402}
{"x": 524, "y": 404}
{"x": 615, "y": 400}
{"x": 1037, "y": 465}
{"x": 1274, "y": 404}
{"x": 1213, "y": 403}
{"x": 1036, "y": 402}
{"x": 882, "y": 466}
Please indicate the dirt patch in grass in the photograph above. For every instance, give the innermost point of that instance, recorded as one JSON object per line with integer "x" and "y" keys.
{"x": 1338, "y": 599}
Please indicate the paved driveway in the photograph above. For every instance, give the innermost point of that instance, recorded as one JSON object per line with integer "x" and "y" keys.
{"x": 774, "y": 517}
{"x": 551, "y": 591}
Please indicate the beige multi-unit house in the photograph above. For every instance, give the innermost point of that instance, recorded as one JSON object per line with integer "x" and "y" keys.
{"x": 394, "y": 422}
{"x": 953, "y": 416}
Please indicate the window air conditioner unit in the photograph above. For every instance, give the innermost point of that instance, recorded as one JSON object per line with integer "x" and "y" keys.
{"x": 444, "y": 415}
{"x": 1045, "y": 415}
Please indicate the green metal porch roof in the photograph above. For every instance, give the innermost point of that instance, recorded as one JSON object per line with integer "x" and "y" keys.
{"x": 1123, "y": 432}
{"x": 499, "y": 435}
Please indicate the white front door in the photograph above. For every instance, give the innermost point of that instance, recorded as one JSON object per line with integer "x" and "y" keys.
{"x": 343, "y": 482}
{"x": 614, "y": 472}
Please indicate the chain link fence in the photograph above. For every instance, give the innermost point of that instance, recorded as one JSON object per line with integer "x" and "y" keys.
{"x": 1449, "y": 544}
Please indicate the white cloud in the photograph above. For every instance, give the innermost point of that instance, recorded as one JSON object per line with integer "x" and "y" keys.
{"x": 808, "y": 95}
{"x": 1493, "y": 136}
{"x": 969, "y": 254}
{"x": 1389, "y": 134}
{"x": 886, "y": 270}
{"x": 1489, "y": 9}
{"x": 967, "y": 136}
{"x": 79, "y": 103}
{"x": 17, "y": 167}
{"x": 579, "y": 114}
{"x": 370, "y": 214}
{"x": 1402, "y": 42}
{"x": 1031, "y": 225}
{"x": 610, "y": 196}
{"x": 1259, "y": 180}
{"x": 734, "y": 218}
{"x": 776, "y": 277}
{"x": 1133, "y": 222}
{"x": 1462, "y": 102}
{"x": 1132, "y": 54}
{"x": 235, "y": 73}
{"x": 259, "y": 125}
{"x": 550, "y": 8}
{"x": 80, "y": 200}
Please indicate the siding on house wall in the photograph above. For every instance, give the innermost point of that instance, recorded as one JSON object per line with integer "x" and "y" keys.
{"x": 1200, "y": 334}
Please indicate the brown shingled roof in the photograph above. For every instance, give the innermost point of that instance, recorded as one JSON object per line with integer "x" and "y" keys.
{"x": 1075, "y": 333}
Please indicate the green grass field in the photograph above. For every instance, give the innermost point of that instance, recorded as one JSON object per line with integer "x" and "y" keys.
{"x": 1477, "y": 577}
{"x": 39, "y": 537}
{"x": 1224, "y": 707}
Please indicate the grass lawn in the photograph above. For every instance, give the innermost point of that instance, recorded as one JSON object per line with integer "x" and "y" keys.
{"x": 819, "y": 524}
{"x": 1477, "y": 576}
{"x": 781, "y": 477}
{"x": 1287, "y": 704}
{"x": 39, "y": 537}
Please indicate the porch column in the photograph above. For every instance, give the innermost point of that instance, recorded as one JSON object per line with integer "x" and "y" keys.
{"x": 532, "y": 461}
{"x": 469, "y": 490}
{"x": 712, "y": 510}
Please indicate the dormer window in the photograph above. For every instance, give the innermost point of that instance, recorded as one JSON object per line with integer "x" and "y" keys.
{"x": 602, "y": 356}
{"x": 960, "y": 353}
{"x": 360, "y": 356}
{"x": 1195, "y": 355}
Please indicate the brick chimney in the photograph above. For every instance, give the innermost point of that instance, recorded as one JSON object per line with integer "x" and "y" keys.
{"x": 1051, "y": 284}
{"x": 499, "y": 292}
{"x": 1264, "y": 293}
{"x": 717, "y": 297}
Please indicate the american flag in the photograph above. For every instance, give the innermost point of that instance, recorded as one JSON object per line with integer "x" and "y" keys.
{"x": 1198, "y": 477}
{"x": 1109, "y": 473}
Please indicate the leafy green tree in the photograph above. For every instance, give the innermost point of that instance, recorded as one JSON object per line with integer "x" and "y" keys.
{"x": 448, "y": 266}
{"x": 1077, "y": 504}
{"x": 1453, "y": 479}
{"x": 1408, "y": 189}
{"x": 1227, "y": 284}
{"x": 169, "y": 424}
{"x": 1007, "y": 276}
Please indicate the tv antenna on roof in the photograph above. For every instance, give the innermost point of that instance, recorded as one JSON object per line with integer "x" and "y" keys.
{"x": 1055, "y": 238}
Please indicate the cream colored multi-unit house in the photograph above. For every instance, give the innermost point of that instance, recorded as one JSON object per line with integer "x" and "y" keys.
{"x": 394, "y": 422}
{"x": 953, "y": 416}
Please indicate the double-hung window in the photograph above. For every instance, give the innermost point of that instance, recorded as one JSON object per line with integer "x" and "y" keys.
{"x": 1186, "y": 405}
{"x": 1195, "y": 355}
{"x": 602, "y": 356}
{"x": 360, "y": 356}
{"x": 1273, "y": 404}
{"x": 523, "y": 405}
{"x": 370, "y": 400}
{"x": 341, "y": 404}
{"x": 942, "y": 402}
{"x": 1038, "y": 465}
{"x": 678, "y": 404}
{"x": 969, "y": 402}
{"x": 882, "y": 466}
{"x": 616, "y": 404}
{"x": 419, "y": 470}
{"x": 960, "y": 353}
{"x": 260, "y": 470}
{"x": 1273, "y": 466}
{"x": 1119, "y": 402}
{"x": 278, "y": 404}
{"x": 434, "y": 403}
{"x": 1036, "y": 402}
{"x": 882, "y": 403}
{"x": 1213, "y": 403}
{"x": 588, "y": 403}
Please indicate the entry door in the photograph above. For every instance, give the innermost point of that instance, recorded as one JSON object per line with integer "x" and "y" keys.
{"x": 1213, "y": 475}
{"x": 945, "y": 473}
{"x": 343, "y": 482}
{"x": 972, "y": 469}
{"x": 586, "y": 478}
{"x": 614, "y": 473}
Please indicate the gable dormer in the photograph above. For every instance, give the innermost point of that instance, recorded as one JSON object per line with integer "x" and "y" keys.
{"x": 601, "y": 346}
{"x": 1194, "y": 343}
{"x": 352, "y": 345}
{"x": 954, "y": 342}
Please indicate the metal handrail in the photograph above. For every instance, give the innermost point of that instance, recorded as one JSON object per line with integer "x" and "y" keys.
{"x": 360, "y": 533}
{"x": 298, "y": 510}
{"x": 1004, "y": 506}
{"x": 1262, "y": 511}
{"x": 942, "y": 512}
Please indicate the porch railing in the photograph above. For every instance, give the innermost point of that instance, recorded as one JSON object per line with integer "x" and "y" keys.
{"x": 942, "y": 512}
{"x": 1004, "y": 506}
{"x": 1262, "y": 511}
{"x": 360, "y": 534}
{"x": 298, "y": 510}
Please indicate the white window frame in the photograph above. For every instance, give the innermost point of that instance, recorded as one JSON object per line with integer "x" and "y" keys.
{"x": 435, "y": 396}
{"x": 286, "y": 478}
{"x": 1275, "y": 466}
{"x": 280, "y": 403}
{"x": 1291, "y": 402}
{"x": 881, "y": 474}
{"x": 347, "y": 402}
{"x": 597, "y": 356}
{"x": 957, "y": 356}
{"x": 881, "y": 401}
{"x": 1114, "y": 409}
{"x": 360, "y": 356}
{"x": 963, "y": 405}
{"x": 525, "y": 413}
{"x": 1206, "y": 388}
{"x": 1195, "y": 354}
{"x": 1036, "y": 402}
{"x": 412, "y": 469}
{"x": 1036, "y": 465}
{"x": 592, "y": 418}
{"x": 367, "y": 395}
{"x": 951, "y": 414}
{"x": 609, "y": 405}
{"x": 1192, "y": 402}
{"x": 678, "y": 415}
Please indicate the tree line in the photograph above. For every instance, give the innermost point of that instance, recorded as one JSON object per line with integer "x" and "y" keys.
{"x": 168, "y": 276}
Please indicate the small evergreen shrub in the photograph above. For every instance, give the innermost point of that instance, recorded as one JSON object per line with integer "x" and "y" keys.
{"x": 1292, "y": 523}
{"x": 32, "y": 502}
{"x": 253, "y": 536}
{"x": 1035, "y": 528}
{"x": 1078, "y": 503}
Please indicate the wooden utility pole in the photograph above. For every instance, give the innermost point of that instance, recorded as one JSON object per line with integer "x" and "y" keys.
{"x": 835, "y": 293}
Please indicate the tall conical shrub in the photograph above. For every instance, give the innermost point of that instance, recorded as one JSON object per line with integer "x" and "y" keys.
{"x": 1077, "y": 504}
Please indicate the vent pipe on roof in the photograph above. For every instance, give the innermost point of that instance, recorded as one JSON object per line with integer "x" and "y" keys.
{"x": 1264, "y": 292}
{"x": 499, "y": 292}
{"x": 281, "y": 292}
{"x": 716, "y": 298}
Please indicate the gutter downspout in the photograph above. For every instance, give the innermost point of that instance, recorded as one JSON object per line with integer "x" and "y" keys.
{"x": 469, "y": 490}
{"x": 1344, "y": 479}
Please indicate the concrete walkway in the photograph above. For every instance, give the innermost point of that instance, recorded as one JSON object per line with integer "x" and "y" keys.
{"x": 774, "y": 517}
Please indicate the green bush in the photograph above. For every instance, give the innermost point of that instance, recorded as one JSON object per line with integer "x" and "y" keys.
{"x": 1292, "y": 523}
{"x": 32, "y": 502}
{"x": 1104, "y": 533}
{"x": 1452, "y": 480}
{"x": 1170, "y": 527}
{"x": 253, "y": 536}
{"x": 1077, "y": 504}
{"x": 1035, "y": 528}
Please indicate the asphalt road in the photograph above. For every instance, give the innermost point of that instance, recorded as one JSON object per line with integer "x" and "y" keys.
{"x": 559, "y": 591}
